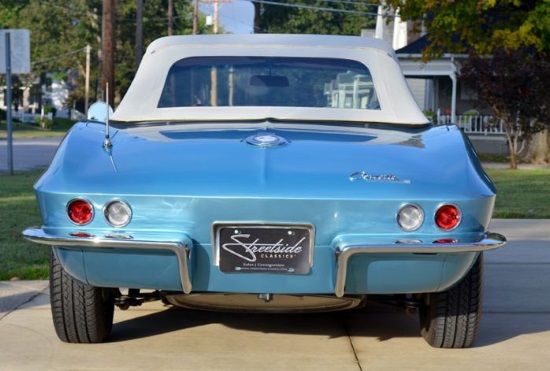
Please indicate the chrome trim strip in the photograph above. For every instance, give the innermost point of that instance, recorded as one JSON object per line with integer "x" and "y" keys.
{"x": 182, "y": 250}
{"x": 250, "y": 303}
{"x": 344, "y": 253}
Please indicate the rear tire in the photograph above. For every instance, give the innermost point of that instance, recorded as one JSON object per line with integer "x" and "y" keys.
{"x": 451, "y": 319}
{"x": 81, "y": 313}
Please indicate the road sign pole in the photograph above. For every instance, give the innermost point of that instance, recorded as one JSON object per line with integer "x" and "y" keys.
{"x": 8, "y": 103}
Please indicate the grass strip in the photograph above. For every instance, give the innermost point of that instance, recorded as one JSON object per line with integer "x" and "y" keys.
{"x": 521, "y": 194}
{"x": 22, "y": 130}
{"x": 18, "y": 210}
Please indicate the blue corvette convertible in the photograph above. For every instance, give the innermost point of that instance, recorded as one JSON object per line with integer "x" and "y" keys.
{"x": 270, "y": 173}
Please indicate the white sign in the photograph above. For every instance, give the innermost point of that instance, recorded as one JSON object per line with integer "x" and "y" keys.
{"x": 20, "y": 45}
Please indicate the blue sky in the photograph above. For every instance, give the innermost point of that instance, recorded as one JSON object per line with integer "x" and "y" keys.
{"x": 236, "y": 16}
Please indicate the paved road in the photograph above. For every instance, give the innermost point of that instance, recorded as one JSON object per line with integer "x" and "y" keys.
{"x": 515, "y": 331}
{"x": 31, "y": 153}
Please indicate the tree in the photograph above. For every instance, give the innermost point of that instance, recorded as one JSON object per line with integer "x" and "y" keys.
{"x": 155, "y": 25}
{"x": 513, "y": 83}
{"x": 509, "y": 45}
{"x": 317, "y": 17}
{"x": 482, "y": 26}
{"x": 60, "y": 31}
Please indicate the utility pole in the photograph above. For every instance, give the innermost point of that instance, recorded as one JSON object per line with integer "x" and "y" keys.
{"x": 170, "y": 16}
{"x": 257, "y": 17}
{"x": 108, "y": 48}
{"x": 87, "y": 83}
{"x": 196, "y": 17}
{"x": 138, "y": 49}
{"x": 216, "y": 15}
{"x": 216, "y": 20}
{"x": 8, "y": 102}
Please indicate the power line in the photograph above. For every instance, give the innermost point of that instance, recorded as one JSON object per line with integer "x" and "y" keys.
{"x": 225, "y": 15}
{"x": 59, "y": 56}
{"x": 350, "y": 2}
{"x": 312, "y": 7}
{"x": 72, "y": 10}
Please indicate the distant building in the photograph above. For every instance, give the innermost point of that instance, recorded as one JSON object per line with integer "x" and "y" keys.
{"x": 30, "y": 97}
{"x": 435, "y": 84}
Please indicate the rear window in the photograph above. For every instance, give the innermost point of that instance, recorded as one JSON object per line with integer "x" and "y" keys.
{"x": 269, "y": 81}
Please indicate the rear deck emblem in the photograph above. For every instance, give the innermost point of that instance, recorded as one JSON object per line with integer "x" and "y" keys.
{"x": 266, "y": 140}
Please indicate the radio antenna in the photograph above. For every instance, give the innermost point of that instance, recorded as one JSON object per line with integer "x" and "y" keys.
{"x": 107, "y": 142}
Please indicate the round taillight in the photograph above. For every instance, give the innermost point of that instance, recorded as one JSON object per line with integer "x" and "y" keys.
{"x": 410, "y": 217}
{"x": 80, "y": 211}
{"x": 117, "y": 213}
{"x": 447, "y": 217}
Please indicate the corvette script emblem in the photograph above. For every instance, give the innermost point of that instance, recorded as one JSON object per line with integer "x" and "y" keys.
{"x": 362, "y": 175}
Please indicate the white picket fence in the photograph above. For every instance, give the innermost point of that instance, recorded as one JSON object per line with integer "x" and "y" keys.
{"x": 29, "y": 118}
{"x": 473, "y": 124}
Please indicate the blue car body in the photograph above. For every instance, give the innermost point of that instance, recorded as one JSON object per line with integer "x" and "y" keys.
{"x": 193, "y": 176}
{"x": 199, "y": 189}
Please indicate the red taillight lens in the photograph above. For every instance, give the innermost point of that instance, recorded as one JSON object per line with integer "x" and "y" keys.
{"x": 447, "y": 217}
{"x": 81, "y": 234}
{"x": 80, "y": 211}
{"x": 446, "y": 241}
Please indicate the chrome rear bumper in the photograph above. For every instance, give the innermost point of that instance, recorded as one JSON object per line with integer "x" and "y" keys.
{"x": 344, "y": 251}
{"x": 182, "y": 249}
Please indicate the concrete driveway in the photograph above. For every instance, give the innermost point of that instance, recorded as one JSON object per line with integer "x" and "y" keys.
{"x": 515, "y": 331}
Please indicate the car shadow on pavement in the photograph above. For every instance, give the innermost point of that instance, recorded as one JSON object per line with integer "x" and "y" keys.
{"x": 177, "y": 319}
{"x": 380, "y": 323}
{"x": 383, "y": 325}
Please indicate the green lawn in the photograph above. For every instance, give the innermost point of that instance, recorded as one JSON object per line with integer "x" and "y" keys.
{"x": 21, "y": 130}
{"x": 521, "y": 194}
{"x": 18, "y": 210}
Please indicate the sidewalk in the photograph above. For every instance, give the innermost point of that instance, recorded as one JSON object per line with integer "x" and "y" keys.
{"x": 14, "y": 294}
{"x": 503, "y": 165}
{"x": 514, "y": 334}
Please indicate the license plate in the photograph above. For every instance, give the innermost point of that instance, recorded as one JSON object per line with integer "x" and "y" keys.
{"x": 286, "y": 249}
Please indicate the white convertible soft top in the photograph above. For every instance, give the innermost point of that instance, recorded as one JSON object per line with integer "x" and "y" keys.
{"x": 397, "y": 104}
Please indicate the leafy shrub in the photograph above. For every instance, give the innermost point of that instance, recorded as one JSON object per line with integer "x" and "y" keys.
{"x": 44, "y": 123}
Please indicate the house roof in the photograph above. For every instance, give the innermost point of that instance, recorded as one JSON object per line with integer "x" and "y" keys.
{"x": 413, "y": 67}
{"x": 416, "y": 47}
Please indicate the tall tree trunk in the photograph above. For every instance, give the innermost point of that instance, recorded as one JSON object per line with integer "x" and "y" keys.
{"x": 511, "y": 137}
{"x": 513, "y": 155}
{"x": 539, "y": 148}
